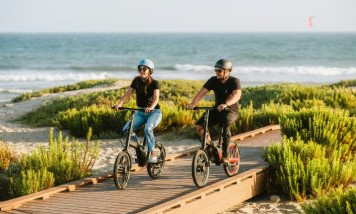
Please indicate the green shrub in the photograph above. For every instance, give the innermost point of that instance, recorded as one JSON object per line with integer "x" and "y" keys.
{"x": 261, "y": 106}
{"x": 344, "y": 83}
{"x": 301, "y": 168}
{"x": 300, "y": 96}
{"x": 335, "y": 202}
{"x": 31, "y": 181}
{"x": 103, "y": 120}
{"x": 43, "y": 168}
{"x": 6, "y": 156}
{"x": 330, "y": 127}
{"x": 260, "y": 95}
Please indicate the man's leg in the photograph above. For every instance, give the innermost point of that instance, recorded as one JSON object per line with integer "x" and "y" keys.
{"x": 200, "y": 124}
{"x": 200, "y": 132}
{"x": 228, "y": 118}
{"x": 226, "y": 140}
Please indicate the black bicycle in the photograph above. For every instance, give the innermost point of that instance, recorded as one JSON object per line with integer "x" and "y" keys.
{"x": 123, "y": 160}
{"x": 212, "y": 152}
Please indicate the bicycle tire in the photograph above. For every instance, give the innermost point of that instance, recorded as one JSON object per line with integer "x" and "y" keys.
{"x": 156, "y": 170}
{"x": 200, "y": 168}
{"x": 121, "y": 172}
{"x": 232, "y": 168}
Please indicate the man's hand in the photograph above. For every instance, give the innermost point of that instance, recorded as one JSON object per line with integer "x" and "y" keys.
{"x": 190, "y": 106}
{"x": 222, "y": 107}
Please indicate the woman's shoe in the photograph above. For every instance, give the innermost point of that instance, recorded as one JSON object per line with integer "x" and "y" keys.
{"x": 152, "y": 159}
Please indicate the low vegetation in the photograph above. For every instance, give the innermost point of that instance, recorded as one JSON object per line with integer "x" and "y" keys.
{"x": 58, "y": 162}
{"x": 337, "y": 201}
{"x": 58, "y": 89}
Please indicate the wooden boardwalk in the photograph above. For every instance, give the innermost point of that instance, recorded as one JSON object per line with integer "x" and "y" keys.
{"x": 142, "y": 192}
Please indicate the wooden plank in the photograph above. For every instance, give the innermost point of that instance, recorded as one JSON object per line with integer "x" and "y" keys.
{"x": 16, "y": 202}
{"x": 250, "y": 184}
{"x": 254, "y": 132}
{"x": 227, "y": 197}
{"x": 13, "y": 212}
{"x": 182, "y": 154}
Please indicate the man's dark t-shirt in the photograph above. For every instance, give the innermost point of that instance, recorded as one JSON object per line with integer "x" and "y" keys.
{"x": 223, "y": 91}
{"x": 144, "y": 99}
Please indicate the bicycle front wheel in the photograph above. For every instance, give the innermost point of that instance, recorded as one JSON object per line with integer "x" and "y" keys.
{"x": 233, "y": 166}
{"x": 200, "y": 168}
{"x": 155, "y": 170}
{"x": 122, "y": 170}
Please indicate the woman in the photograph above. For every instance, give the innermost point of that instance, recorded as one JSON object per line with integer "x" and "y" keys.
{"x": 147, "y": 96}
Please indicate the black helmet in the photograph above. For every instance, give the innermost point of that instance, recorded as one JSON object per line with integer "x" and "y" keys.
{"x": 224, "y": 64}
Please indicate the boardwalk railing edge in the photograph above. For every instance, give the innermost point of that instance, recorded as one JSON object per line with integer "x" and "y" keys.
{"x": 17, "y": 202}
{"x": 218, "y": 196}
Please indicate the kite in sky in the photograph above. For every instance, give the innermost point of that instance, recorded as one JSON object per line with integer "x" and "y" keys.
{"x": 310, "y": 21}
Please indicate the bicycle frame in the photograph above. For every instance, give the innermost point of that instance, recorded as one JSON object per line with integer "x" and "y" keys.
{"x": 206, "y": 126}
{"x": 127, "y": 141}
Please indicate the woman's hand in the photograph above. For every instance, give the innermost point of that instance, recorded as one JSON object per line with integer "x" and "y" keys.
{"x": 117, "y": 106}
{"x": 190, "y": 106}
{"x": 148, "y": 109}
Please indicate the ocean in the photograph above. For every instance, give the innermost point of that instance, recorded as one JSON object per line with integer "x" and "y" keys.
{"x": 32, "y": 61}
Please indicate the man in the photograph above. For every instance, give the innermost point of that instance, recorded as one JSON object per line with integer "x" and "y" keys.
{"x": 227, "y": 90}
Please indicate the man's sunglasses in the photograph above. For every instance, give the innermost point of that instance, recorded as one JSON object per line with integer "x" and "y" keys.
{"x": 219, "y": 70}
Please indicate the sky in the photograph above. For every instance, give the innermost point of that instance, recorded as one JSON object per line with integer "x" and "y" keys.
{"x": 177, "y": 15}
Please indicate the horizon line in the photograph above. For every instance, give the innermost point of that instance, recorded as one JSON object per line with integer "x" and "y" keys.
{"x": 167, "y": 32}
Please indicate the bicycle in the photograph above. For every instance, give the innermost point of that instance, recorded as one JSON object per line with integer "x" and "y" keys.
{"x": 123, "y": 162}
{"x": 212, "y": 152}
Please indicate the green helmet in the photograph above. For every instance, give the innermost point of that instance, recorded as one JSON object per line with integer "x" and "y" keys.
{"x": 224, "y": 64}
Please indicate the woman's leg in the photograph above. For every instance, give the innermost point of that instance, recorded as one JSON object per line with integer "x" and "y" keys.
{"x": 138, "y": 120}
{"x": 153, "y": 120}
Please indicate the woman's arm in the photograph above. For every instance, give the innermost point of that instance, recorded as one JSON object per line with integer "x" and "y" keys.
{"x": 124, "y": 98}
{"x": 154, "y": 101}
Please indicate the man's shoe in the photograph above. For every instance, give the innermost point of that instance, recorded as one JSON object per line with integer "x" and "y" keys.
{"x": 225, "y": 160}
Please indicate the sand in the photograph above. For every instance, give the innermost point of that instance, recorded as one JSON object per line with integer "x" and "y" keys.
{"x": 24, "y": 139}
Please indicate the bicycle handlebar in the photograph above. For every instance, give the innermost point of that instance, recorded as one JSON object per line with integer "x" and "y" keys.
{"x": 126, "y": 108}
{"x": 208, "y": 108}
{"x": 204, "y": 108}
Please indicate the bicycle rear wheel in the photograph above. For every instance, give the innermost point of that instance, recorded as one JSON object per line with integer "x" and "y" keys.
{"x": 200, "y": 168}
{"x": 121, "y": 170}
{"x": 233, "y": 166}
{"x": 155, "y": 170}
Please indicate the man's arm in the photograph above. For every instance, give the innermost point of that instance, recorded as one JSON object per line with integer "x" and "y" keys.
{"x": 203, "y": 91}
{"x": 236, "y": 95}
